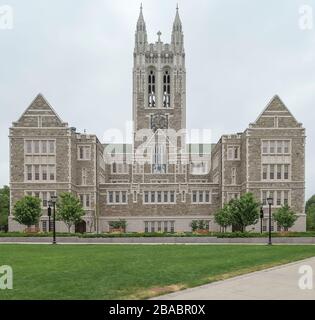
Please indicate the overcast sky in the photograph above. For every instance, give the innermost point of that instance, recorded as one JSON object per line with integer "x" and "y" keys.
{"x": 79, "y": 54}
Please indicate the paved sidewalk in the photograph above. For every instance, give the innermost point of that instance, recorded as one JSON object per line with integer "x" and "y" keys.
{"x": 159, "y": 240}
{"x": 279, "y": 283}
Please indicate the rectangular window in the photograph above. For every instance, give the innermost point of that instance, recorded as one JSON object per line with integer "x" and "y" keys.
{"x": 286, "y": 198}
{"x": 233, "y": 176}
{"x": 172, "y": 197}
{"x": 172, "y": 227}
{"x": 146, "y": 197}
{"x": 36, "y": 146}
{"x": 272, "y": 146}
{"x": 52, "y": 172}
{"x": 272, "y": 172}
{"x": 117, "y": 197}
{"x": 286, "y": 146}
{"x": 286, "y": 171}
{"x": 81, "y": 196}
{"x": 165, "y": 226}
{"x": 45, "y": 200}
{"x": 265, "y": 171}
{"x": 279, "y": 147}
{"x": 29, "y": 173}
{"x": 44, "y": 146}
{"x": 200, "y": 196}
{"x": 87, "y": 201}
{"x": 44, "y": 224}
{"x": 279, "y": 198}
{"x": 265, "y": 145}
{"x": 28, "y": 145}
{"x": 194, "y": 197}
{"x": 165, "y": 196}
{"x": 84, "y": 177}
{"x": 84, "y": 152}
{"x": 159, "y": 226}
{"x": 152, "y": 197}
{"x": 264, "y": 198}
{"x": 207, "y": 197}
{"x": 124, "y": 197}
{"x": 110, "y": 197}
{"x": 36, "y": 171}
{"x": 152, "y": 226}
{"x": 51, "y": 145}
{"x": 233, "y": 153}
{"x": 44, "y": 173}
{"x": 159, "y": 197}
{"x": 279, "y": 171}
{"x": 146, "y": 226}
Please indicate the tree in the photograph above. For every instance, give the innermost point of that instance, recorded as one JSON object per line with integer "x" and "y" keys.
{"x": 224, "y": 217}
{"x": 4, "y": 206}
{"x": 311, "y": 218}
{"x": 310, "y": 212}
{"x": 244, "y": 211}
{"x": 309, "y": 203}
{"x": 69, "y": 209}
{"x": 27, "y": 211}
{"x": 285, "y": 217}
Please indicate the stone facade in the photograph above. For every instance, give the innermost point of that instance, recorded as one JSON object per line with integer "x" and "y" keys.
{"x": 160, "y": 182}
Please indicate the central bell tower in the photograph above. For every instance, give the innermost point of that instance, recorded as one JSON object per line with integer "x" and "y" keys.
{"x": 159, "y": 80}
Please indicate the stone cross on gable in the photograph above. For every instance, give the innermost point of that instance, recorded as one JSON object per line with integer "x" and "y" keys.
{"x": 159, "y": 35}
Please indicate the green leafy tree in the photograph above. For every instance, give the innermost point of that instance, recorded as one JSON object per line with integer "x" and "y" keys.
{"x": 310, "y": 202}
{"x": 285, "y": 217}
{"x": 27, "y": 211}
{"x": 244, "y": 211}
{"x": 311, "y": 218}
{"x": 224, "y": 217}
{"x": 4, "y": 206}
{"x": 69, "y": 209}
{"x": 310, "y": 212}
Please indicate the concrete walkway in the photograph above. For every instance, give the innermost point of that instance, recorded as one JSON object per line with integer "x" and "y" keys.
{"x": 279, "y": 283}
{"x": 158, "y": 240}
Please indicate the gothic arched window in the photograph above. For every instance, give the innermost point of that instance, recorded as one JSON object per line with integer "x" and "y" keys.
{"x": 166, "y": 89}
{"x": 151, "y": 89}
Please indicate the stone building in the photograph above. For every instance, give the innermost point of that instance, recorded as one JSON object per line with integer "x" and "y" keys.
{"x": 159, "y": 182}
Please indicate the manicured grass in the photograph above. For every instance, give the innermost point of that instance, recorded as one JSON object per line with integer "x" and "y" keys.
{"x": 131, "y": 271}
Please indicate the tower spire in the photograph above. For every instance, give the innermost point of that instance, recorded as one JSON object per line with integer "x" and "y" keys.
{"x": 177, "y": 33}
{"x": 141, "y": 31}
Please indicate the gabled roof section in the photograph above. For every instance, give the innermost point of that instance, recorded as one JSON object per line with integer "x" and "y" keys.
{"x": 40, "y": 114}
{"x": 276, "y": 115}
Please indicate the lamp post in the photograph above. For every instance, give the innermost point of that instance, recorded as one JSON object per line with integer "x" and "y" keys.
{"x": 49, "y": 214}
{"x": 53, "y": 200}
{"x": 270, "y": 203}
{"x": 261, "y": 219}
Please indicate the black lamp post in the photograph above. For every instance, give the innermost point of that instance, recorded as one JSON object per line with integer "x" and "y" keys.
{"x": 270, "y": 203}
{"x": 53, "y": 200}
{"x": 261, "y": 219}
{"x": 49, "y": 214}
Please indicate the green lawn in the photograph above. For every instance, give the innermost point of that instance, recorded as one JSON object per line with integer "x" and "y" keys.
{"x": 131, "y": 271}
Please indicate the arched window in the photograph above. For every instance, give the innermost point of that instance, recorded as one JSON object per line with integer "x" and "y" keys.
{"x": 151, "y": 89}
{"x": 166, "y": 89}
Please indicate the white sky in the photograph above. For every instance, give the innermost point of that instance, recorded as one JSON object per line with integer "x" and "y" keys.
{"x": 79, "y": 54}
